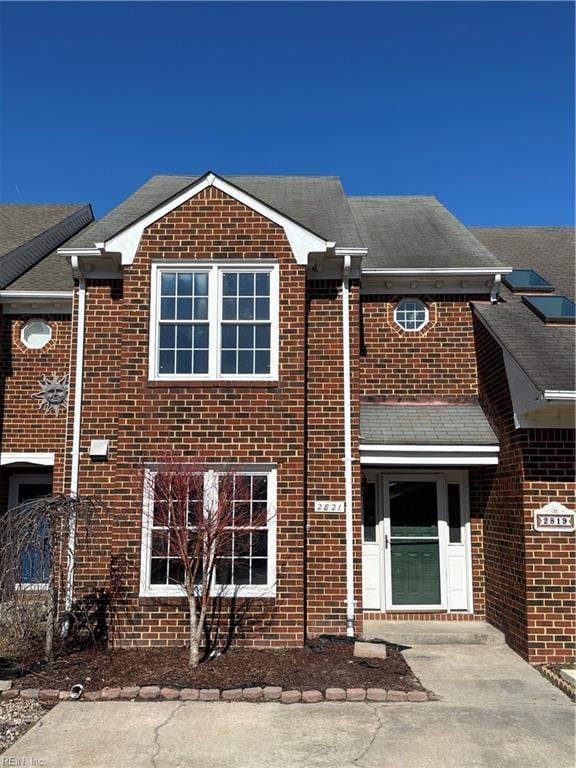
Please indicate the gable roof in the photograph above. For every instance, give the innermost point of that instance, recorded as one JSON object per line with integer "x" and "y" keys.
{"x": 544, "y": 352}
{"x": 416, "y": 233}
{"x": 28, "y": 233}
{"x": 317, "y": 203}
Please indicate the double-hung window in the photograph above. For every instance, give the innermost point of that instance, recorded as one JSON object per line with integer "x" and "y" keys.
{"x": 214, "y": 321}
{"x": 245, "y": 563}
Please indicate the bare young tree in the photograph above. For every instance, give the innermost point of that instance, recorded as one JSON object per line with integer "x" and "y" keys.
{"x": 34, "y": 556}
{"x": 203, "y": 525}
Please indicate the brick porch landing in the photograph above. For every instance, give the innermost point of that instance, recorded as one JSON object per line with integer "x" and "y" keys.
{"x": 433, "y": 632}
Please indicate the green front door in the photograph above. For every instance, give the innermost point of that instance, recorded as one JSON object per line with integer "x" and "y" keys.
{"x": 413, "y": 543}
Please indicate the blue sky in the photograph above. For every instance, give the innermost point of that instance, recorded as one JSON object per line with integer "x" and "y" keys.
{"x": 471, "y": 102}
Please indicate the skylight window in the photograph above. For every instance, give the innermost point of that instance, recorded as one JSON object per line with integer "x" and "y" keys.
{"x": 552, "y": 309}
{"x": 526, "y": 280}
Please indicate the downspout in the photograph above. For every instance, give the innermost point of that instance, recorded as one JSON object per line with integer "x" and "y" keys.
{"x": 495, "y": 289}
{"x": 350, "y": 603}
{"x": 75, "y": 469}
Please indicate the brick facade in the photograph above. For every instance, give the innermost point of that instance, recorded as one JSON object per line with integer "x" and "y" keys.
{"x": 523, "y": 581}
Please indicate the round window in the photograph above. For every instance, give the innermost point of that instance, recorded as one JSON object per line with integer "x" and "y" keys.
{"x": 36, "y": 334}
{"x": 411, "y": 314}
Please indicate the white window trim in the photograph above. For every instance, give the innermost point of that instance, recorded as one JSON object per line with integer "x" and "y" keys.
{"x": 14, "y": 484}
{"x": 214, "y": 271}
{"x": 175, "y": 590}
{"x": 424, "y": 307}
{"x": 35, "y": 320}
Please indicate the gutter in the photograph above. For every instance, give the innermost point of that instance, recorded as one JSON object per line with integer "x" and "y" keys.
{"x": 558, "y": 394}
{"x": 76, "y": 429}
{"x": 350, "y": 603}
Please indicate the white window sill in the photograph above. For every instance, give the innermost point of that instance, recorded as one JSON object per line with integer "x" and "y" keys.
{"x": 225, "y": 591}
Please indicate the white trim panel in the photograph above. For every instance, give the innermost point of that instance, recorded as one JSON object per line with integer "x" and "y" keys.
{"x": 433, "y": 448}
{"x": 39, "y": 459}
{"x": 447, "y": 460}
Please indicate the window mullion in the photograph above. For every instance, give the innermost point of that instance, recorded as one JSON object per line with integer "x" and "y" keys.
{"x": 214, "y": 311}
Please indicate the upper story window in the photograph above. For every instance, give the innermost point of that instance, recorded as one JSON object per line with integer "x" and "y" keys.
{"x": 214, "y": 322}
{"x": 36, "y": 334}
{"x": 411, "y": 314}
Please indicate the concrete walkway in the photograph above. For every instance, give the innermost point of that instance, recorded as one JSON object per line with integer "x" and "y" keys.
{"x": 495, "y": 712}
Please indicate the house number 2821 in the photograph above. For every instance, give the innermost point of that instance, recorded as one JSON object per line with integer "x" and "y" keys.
{"x": 328, "y": 506}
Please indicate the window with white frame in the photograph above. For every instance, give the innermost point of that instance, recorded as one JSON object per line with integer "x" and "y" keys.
{"x": 246, "y": 557}
{"x": 411, "y": 314}
{"x": 214, "y": 321}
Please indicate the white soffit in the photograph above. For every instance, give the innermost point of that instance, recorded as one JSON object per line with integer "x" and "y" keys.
{"x": 302, "y": 241}
{"x": 533, "y": 408}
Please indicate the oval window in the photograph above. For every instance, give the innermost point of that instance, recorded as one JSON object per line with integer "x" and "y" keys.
{"x": 411, "y": 314}
{"x": 36, "y": 334}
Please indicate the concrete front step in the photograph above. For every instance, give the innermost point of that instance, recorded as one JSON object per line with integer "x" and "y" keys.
{"x": 433, "y": 632}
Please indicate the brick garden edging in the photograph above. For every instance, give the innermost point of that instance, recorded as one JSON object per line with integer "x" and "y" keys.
{"x": 258, "y": 695}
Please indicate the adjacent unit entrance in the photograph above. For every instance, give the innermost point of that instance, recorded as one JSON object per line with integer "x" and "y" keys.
{"x": 416, "y": 542}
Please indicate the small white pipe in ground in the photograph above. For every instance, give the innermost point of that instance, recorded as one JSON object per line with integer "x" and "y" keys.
{"x": 350, "y": 604}
{"x": 79, "y": 373}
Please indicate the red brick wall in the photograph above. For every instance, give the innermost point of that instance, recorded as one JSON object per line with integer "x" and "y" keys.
{"x": 499, "y": 490}
{"x": 530, "y": 576}
{"x": 326, "y": 541}
{"x": 438, "y": 360}
{"x": 549, "y": 460}
{"x": 23, "y": 427}
{"x": 255, "y": 423}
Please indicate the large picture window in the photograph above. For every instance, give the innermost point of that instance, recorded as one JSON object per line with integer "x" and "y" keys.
{"x": 214, "y": 322}
{"x": 245, "y": 563}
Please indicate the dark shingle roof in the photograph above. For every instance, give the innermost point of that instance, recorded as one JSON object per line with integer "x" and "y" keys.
{"x": 417, "y": 233}
{"x": 318, "y": 203}
{"x": 52, "y": 273}
{"x": 28, "y": 233}
{"x": 547, "y": 250}
{"x": 545, "y": 353}
{"x": 424, "y": 425}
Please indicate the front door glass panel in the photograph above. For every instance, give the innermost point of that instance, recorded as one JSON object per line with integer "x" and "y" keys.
{"x": 414, "y": 543}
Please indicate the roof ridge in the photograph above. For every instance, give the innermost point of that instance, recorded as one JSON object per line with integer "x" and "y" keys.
{"x": 392, "y": 197}
{"x": 522, "y": 226}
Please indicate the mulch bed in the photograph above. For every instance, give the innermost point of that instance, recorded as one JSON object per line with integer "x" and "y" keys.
{"x": 299, "y": 668}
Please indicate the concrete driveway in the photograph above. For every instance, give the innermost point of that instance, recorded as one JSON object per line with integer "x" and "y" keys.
{"x": 495, "y": 712}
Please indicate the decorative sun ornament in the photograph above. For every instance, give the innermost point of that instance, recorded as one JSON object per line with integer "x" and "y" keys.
{"x": 53, "y": 393}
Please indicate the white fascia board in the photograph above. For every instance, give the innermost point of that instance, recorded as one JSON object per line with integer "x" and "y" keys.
{"x": 36, "y": 302}
{"x": 355, "y": 251}
{"x": 40, "y": 459}
{"x": 93, "y": 252}
{"x": 412, "y": 459}
{"x": 436, "y": 271}
{"x": 47, "y": 295}
{"x": 559, "y": 394}
{"x": 432, "y": 448}
{"x": 301, "y": 240}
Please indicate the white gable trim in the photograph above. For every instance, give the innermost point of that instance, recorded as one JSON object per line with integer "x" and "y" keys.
{"x": 302, "y": 241}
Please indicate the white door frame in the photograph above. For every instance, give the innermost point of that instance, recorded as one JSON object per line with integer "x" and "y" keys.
{"x": 441, "y": 502}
